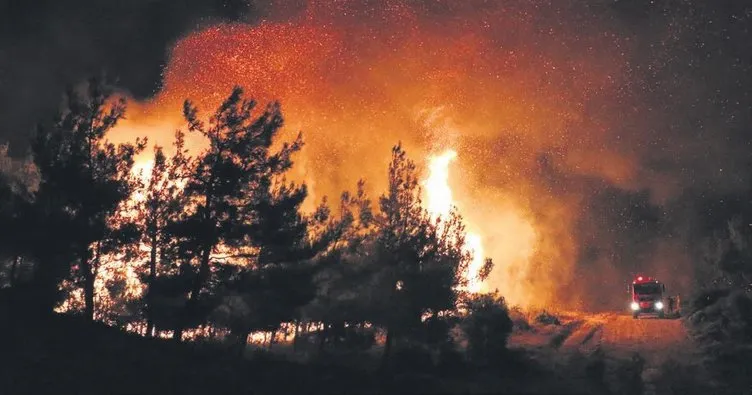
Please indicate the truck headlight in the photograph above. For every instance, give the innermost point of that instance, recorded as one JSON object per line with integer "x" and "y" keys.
{"x": 659, "y": 305}
{"x": 635, "y": 306}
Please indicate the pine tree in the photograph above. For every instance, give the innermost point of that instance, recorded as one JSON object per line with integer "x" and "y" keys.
{"x": 228, "y": 180}
{"x": 343, "y": 275}
{"x": 83, "y": 180}
{"x": 156, "y": 212}
{"x": 487, "y": 326}
{"x": 18, "y": 182}
{"x": 420, "y": 260}
{"x": 267, "y": 290}
{"x": 11, "y": 248}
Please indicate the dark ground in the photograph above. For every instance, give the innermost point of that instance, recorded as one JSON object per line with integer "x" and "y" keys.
{"x": 576, "y": 354}
{"x": 66, "y": 355}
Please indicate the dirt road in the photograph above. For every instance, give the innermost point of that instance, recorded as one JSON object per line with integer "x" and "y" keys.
{"x": 648, "y": 336}
{"x": 620, "y": 333}
{"x": 631, "y": 352}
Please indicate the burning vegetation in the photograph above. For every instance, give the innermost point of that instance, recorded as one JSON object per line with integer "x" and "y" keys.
{"x": 439, "y": 78}
{"x": 215, "y": 243}
{"x": 390, "y": 175}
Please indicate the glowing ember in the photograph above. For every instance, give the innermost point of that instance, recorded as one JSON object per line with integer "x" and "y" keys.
{"x": 439, "y": 203}
{"x": 513, "y": 80}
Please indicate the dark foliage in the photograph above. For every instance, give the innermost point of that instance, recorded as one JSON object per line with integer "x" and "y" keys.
{"x": 48, "y": 357}
{"x": 219, "y": 241}
{"x": 18, "y": 181}
{"x": 487, "y": 327}
{"x": 547, "y": 318}
{"x": 228, "y": 185}
{"x": 421, "y": 260}
{"x": 720, "y": 316}
{"x": 83, "y": 181}
{"x": 156, "y": 216}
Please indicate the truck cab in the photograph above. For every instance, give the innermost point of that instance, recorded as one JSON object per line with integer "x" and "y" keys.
{"x": 647, "y": 297}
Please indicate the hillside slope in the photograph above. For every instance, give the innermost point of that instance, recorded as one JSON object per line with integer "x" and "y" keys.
{"x": 66, "y": 355}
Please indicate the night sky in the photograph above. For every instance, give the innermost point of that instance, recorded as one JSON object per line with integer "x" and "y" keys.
{"x": 47, "y": 44}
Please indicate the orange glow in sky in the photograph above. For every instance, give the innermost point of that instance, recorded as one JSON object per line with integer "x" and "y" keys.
{"x": 490, "y": 87}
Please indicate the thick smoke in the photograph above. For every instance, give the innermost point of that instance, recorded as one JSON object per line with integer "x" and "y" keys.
{"x": 602, "y": 124}
{"x": 48, "y": 44}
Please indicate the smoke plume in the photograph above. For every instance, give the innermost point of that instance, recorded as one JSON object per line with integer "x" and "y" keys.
{"x": 579, "y": 126}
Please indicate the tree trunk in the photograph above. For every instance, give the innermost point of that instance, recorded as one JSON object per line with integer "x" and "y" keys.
{"x": 271, "y": 338}
{"x": 45, "y": 284}
{"x": 323, "y": 332}
{"x": 190, "y": 306}
{"x": 88, "y": 292}
{"x": 88, "y": 274}
{"x": 295, "y": 336}
{"x": 149, "y": 294}
{"x": 389, "y": 330}
{"x": 387, "y": 348}
{"x": 242, "y": 342}
{"x": 177, "y": 335}
{"x": 94, "y": 268}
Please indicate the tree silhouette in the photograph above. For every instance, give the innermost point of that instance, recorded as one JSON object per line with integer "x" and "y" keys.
{"x": 227, "y": 183}
{"x": 157, "y": 211}
{"x": 421, "y": 260}
{"x": 12, "y": 249}
{"x": 83, "y": 180}
{"x": 18, "y": 182}
{"x": 278, "y": 280}
{"x": 487, "y": 326}
{"x": 343, "y": 276}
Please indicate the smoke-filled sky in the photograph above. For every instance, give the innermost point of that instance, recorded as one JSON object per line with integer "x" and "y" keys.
{"x": 583, "y": 128}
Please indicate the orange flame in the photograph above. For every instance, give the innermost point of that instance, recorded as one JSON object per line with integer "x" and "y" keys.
{"x": 509, "y": 80}
{"x": 440, "y": 203}
{"x": 510, "y": 256}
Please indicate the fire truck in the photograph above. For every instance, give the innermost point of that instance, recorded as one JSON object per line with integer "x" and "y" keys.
{"x": 648, "y": 296}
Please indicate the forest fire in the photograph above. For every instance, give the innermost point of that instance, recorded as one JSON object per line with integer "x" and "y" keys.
{"x": 355, "y": 88}
{"x": 375, "y": 196}
{"x": 439, "y": 204}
